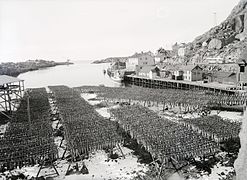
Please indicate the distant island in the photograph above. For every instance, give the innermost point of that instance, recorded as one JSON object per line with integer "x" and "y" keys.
{"x": 14, "y": 69}
{"x": 110, "y": 60}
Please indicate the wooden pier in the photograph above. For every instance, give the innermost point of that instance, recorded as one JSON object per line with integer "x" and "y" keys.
{"x": 177, "y": 84}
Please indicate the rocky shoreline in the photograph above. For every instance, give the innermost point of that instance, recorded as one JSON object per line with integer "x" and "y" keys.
{"x": 15, "y": 69}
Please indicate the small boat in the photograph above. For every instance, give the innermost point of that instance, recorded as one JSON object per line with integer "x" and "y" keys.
{"x": 116, "y": 78}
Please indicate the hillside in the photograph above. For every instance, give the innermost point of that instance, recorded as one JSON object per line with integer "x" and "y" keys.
{"x": 227, "y": 40}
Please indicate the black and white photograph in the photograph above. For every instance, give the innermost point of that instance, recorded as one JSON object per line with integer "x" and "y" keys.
{"x": 123, "y": 89}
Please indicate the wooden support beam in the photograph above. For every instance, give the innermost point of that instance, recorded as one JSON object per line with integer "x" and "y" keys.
{"x": 64, "y": 153}
{"x": 40, "y": 169}
{"x": 121, "y": 150}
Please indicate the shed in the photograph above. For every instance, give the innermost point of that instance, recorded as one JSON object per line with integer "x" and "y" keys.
{"x": 192, "y": 72}
{"x": 11, "y": 92}
{"x": 149, "y": 71}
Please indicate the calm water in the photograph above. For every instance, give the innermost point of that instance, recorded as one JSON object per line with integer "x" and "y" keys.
{"x": 78, "y": 74}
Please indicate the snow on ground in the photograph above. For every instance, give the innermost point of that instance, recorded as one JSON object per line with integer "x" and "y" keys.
{"x": 104, "y": 112}
{"x": 191, "y": 115}
{"x": 90, "y": 98}
{"x": 120, "y": 168}
{"x": 235, "y": 116}
{"x": 60, "y": 149}
{"x": 218, "y": 172}
{"x": 175, "y": 176}
{"x": 174, "y": 115}
{"x": 3, "y": 129}
{"x": 99, "y": 167}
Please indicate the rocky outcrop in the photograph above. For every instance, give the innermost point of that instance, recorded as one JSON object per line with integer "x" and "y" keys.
{"x": 14, "y": 69}
{"x": 215, "y": 44}
{"x": 226, "y": 40}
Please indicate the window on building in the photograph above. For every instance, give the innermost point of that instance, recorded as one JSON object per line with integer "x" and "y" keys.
{"x": 242, "y": 68}
{"x": 146, "y": 58}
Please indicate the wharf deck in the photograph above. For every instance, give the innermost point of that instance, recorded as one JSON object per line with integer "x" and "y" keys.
{"x": 178, "y": 84}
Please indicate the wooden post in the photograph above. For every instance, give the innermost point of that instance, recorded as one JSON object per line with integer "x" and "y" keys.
{"x": 9, "y": 99}
{"x": 121, "y": 150}
{"x": 68, "y": 168}
{"x": 55, "y": 168}
{"x": 171, "y": 159}
{"x": 40, "y": 169}
{"x": 161, "y": 168}
{"x": 60, "y": 145}
{"x": 64, "y": 153}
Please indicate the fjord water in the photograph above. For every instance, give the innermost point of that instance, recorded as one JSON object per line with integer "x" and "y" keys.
{"x": 78, "y": 74}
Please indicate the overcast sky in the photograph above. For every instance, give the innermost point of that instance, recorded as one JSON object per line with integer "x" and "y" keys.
{"x": 95, "y": 29}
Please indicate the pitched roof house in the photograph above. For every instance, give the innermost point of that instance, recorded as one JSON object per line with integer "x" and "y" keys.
{"x": 149, "y": 71}
{"x": 225, "y": 77}
{"x": 192, "y": 73}
{"x": 242, "y": 70}
{"x": 140, "y": 59}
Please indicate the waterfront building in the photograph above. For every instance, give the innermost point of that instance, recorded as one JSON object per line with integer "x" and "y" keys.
{"x": 149, "y": 71}
{"x": 178, "y": 74}
{"x": 224, "y": 77}
{"x": 192, "y": 73}
{"x": 242, "y": 70}
{"x": 140, "y": 59}
{"x": 162, "y": 56}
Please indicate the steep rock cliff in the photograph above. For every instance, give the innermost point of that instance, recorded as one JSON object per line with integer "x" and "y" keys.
{"x": 226, "y": 40}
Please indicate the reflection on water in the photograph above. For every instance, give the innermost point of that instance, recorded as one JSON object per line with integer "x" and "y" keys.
{"x": 78, "y": 74}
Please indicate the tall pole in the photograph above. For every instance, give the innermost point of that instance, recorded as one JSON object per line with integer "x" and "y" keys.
{"x": 9, "y": 98}
{"x": 215, "y": 19}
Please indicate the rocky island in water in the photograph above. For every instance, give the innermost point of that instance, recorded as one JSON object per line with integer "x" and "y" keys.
{"x": 14, "y": 69}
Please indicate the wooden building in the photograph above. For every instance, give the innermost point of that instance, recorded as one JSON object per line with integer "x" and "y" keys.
{"x": 149, "y": 71}
{"x": 242, "y": 72}
{"x": 224, "y": 77}
{"x": 178, "y": 75}
{"x": 192, "y": 73}
{"x": 162, "y": 56}
{"x": 140, "y": 59}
